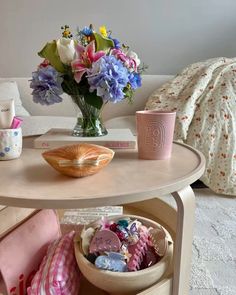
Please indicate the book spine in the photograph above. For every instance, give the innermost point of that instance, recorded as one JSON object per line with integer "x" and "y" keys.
{"x": 51, "y": 144}
{"x": 108, "y": 144}
{"x": 43, "y": 145}
{"x": 120, "y": 144}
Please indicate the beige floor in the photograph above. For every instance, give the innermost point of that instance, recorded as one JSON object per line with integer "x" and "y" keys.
{"x": 214, "y": 245}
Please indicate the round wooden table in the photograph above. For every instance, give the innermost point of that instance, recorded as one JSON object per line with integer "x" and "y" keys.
{"x": 30, "y": 182}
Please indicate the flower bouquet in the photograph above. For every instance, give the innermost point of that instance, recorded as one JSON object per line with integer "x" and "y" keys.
{"x": 93, "y": 68}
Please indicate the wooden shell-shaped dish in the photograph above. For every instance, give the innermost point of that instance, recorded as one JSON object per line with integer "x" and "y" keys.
{"x": 79, "y": 160}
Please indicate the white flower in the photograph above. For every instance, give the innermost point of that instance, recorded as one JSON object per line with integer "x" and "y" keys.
{"x": 66, "y": 50}
{"x": 134, "y": 56}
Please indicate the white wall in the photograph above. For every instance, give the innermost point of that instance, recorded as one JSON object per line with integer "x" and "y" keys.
{"x": 166, "y": 34}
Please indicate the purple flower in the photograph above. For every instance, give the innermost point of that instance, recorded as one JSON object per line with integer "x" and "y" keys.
{"x": 135, "y": 80}
{"x": 46, "y": 85}
{"x": 108, "y": 77}
{"x": 116, "y": 42}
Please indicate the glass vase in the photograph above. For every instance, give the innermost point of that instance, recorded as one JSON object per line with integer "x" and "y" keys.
{"x": 90, "y": 123}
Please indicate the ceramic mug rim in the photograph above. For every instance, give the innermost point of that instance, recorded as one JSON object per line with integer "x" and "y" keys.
{"x": 153, "y": 112}
{"x": 10, "y": 129}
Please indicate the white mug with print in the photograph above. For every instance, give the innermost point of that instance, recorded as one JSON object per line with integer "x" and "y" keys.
{"x": 10, "y": 143}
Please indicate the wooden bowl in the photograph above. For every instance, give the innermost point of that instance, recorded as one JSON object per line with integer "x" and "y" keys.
{"x": 124, "y": 282}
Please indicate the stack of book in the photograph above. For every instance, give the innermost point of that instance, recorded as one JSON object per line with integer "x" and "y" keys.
{"x": 115, "y": 139}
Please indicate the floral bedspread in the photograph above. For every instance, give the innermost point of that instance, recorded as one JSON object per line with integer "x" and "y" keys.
{"x": 204, "y": 97}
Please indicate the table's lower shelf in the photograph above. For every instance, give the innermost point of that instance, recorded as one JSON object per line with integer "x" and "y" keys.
{"x": 163, "y": 213}
{"x": 161, "y": 288}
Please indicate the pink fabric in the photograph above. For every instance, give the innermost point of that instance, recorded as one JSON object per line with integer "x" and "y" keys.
{"x": 23, "y": 249}
{"x": 58, "y": 273}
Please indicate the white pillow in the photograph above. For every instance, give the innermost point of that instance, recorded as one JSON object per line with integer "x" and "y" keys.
{"x": 9, "y": 90}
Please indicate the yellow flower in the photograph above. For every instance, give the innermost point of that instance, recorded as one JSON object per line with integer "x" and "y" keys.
{"x": 103, "y": 31}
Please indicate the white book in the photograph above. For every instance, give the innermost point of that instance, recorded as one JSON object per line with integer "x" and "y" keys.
{"x": 88, "y": 215}
{"x": 116, "y": 138}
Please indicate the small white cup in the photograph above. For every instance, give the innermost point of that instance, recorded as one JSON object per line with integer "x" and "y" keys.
{"x": 10, "y": 144}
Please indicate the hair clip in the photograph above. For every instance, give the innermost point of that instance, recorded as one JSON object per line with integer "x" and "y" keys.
{"x": 138, "y": 250}
{"x": 112, "y": 261}
{"x": 104, "y": 240}
{"x": 159, "y": 240}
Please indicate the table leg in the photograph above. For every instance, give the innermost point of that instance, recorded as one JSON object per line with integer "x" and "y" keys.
{"x": 185, "y": 200}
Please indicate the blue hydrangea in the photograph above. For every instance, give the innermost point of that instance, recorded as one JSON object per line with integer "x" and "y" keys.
{"x": 108, "y": 77}
{"x": 135, "y": 80}
{"x": 46, "y": 85}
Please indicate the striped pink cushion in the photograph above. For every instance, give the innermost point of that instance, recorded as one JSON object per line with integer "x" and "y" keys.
{"x": 58, "y": 273}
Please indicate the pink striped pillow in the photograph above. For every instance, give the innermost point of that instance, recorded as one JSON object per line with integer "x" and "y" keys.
{"x": 58, "y": 273}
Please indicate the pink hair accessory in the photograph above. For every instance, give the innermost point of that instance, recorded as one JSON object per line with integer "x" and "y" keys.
{"x": 105, "y": 240}
{"x": 138, "y": 250}
{"x": 16, "y": 123}
{"x": 159, "y": 240}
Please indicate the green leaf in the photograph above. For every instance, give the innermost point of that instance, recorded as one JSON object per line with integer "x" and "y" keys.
{"x": 129, "y": 94}
{"x": 69, "y": 85}
{"x": 49, "y": 52}
{"x": 94, "y": 100}
{"x": 102, "y": 43}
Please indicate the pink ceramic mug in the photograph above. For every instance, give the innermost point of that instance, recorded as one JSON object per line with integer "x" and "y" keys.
{"x": 155, "y": 131}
